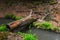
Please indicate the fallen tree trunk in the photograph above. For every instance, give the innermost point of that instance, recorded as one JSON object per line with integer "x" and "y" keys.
{"x": 21, "y": 23}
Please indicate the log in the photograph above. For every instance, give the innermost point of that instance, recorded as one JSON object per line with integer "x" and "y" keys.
{"x": 20, "y": 23}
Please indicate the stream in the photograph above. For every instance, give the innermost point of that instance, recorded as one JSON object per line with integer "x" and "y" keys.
{"x": 45, "y": 35}
{"x": 41, "y": 34}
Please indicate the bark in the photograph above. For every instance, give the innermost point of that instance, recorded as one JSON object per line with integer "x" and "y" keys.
{"x": 19, "y": 23}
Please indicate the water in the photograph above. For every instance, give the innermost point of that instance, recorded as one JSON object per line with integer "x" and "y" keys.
{"x": 41, "y": 34}
{"x": 4, "y": 21}
{"x": 45, "y": 35}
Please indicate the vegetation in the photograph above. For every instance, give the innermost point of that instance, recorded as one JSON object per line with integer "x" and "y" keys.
{"x": 28, "y": 36}
{"x": 52, "y": 2}
{"x": 47, "y": 26}
{"x": 44, "y": 25}
{"x": 44, "y": 1}
{"x": 12, "y": 16}
{"x": 3, "y": 27}
{"x": 18, "y": 17}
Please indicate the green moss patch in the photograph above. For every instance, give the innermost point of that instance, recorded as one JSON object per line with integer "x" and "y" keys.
{"x": 12, "y": 16}
{"x": 46, "y": 26}
{"x": 3, "y": 28}
{"x": 27, "y": 36}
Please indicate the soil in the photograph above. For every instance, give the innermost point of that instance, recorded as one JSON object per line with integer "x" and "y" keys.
{"x": 23, "y": 9}
{"x": 20, "y": 9}
{"x": 10, "y": 36}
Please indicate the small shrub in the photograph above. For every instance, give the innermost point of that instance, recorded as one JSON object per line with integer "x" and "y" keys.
{"x": 47, "y": 26}
{"x": 10, "y": 16}
{"x": 55, "y": 29}
{"x": 52, "y": 2}
{"x": 18, "y": 17}
{"x": 44, "y": 25}
{"x": 29, "y": 37}
{"x": 3, "y": 27}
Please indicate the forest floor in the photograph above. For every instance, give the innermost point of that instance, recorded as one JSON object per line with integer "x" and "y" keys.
{"x": 23, "y": 9}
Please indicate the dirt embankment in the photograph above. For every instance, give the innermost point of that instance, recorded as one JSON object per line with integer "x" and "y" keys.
{"x": 10, "y": 36}
{"x": 23, "y": 9}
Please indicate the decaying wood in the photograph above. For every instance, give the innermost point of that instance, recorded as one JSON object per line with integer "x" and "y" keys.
{"x": 19, "y": 23}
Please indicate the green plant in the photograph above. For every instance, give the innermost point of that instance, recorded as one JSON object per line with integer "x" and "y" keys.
{"x": 47, "y": 26}
{"x": 18, "y": 17}
{"x": 55, "y": 29}
{"x": 36, "y": 2}
{"x": 10, "y": 16}
{"x": 3, "y": 27}
{"x": 43, "y": 25}
{"x": 52, "y": 2}
{"x": 29, "y": 37}
{"x": 20, "y": 33}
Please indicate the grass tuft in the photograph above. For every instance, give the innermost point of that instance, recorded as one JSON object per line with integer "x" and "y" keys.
{"x": 46, "y": 25}
{"x": 27, "y": 36}
{"x": 3, "y": 27}
{"x": 12, "y": 16}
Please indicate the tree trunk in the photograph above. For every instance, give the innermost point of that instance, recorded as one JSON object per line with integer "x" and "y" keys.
{"x": 21, "y": 23}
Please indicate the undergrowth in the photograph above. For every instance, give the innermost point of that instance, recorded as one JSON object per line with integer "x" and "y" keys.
{"x": 12, "y": 16}
{"x": 51, "y": 2}
{"x": 27, "y": 36}
{"x": 3, "y": 28}
{"x": 46, "y": 25}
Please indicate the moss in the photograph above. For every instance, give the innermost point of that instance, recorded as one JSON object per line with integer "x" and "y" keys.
{"x": 27, "y": 36}
{"x": 45, "y": 25}
{"x": 18, "y": 17}
{"x": 52, "y": 2}
{"x": 3, "y": 27}
{"x": 12, "y": 16}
